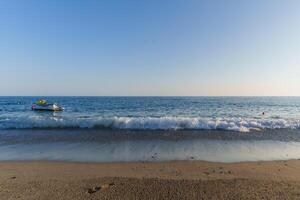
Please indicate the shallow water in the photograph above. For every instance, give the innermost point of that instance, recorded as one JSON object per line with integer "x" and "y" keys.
{"x": 135, "y": 145}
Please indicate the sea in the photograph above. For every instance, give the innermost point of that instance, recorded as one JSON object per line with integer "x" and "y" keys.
{"x": 151, "y": 129}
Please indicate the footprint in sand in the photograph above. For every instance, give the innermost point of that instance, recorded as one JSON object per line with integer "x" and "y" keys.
{"x": 90, "y": 191}
{"x": 221, "y": 170}
{"x": 98, "y": 188}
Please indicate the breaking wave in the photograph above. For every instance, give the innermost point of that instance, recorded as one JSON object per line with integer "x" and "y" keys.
{"x": 153, "y": 123}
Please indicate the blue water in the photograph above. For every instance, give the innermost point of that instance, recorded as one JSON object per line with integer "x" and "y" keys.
{"x": 114, "y": 129}
{"x": 223, "y": 113}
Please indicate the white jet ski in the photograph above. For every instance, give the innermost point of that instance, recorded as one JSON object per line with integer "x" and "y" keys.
{"x": 43, "y": 105}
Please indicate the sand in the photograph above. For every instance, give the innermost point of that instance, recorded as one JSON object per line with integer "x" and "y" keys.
{"x": 161, "y": 180}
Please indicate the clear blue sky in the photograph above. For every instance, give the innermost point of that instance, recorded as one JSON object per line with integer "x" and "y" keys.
{"x": 170, "y": 47}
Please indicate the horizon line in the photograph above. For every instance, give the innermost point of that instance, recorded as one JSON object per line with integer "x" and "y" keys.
{"x": 149, "y": 95}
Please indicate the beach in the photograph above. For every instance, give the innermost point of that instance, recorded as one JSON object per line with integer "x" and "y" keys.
{"x": 150, "y": 148}
{"x": 150, "y": 180}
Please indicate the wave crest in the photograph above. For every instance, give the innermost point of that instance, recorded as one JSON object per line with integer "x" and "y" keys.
{"x": 153, "y": 123}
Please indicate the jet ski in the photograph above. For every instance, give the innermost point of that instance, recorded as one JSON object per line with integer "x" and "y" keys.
{"x": 43, "y": 105}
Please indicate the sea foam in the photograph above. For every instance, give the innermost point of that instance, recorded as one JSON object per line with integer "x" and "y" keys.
{"x": 152, "y": 123}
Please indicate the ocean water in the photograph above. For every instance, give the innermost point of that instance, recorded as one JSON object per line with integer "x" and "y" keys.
{"x": 116, "y": 129}
{"x": 224, "y": 113}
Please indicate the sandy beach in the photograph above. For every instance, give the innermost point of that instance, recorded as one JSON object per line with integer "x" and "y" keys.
{"x": 156, "y": 180}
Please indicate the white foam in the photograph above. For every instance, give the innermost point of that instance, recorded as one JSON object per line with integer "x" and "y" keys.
{"x": 163, "y": 123}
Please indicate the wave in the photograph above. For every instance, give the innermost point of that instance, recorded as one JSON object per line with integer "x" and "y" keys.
{"x": 153, "y": 123}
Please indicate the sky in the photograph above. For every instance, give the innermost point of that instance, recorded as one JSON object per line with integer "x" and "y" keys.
{"x": 150, "y": 48}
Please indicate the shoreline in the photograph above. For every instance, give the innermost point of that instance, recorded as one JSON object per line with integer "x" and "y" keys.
{"x": 135, "y": 146}
{"x": 140, "y": 162}
{"x": 154, "y": 180}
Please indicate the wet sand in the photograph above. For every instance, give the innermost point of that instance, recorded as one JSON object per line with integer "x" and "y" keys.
{"x": 160, "y": 180}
